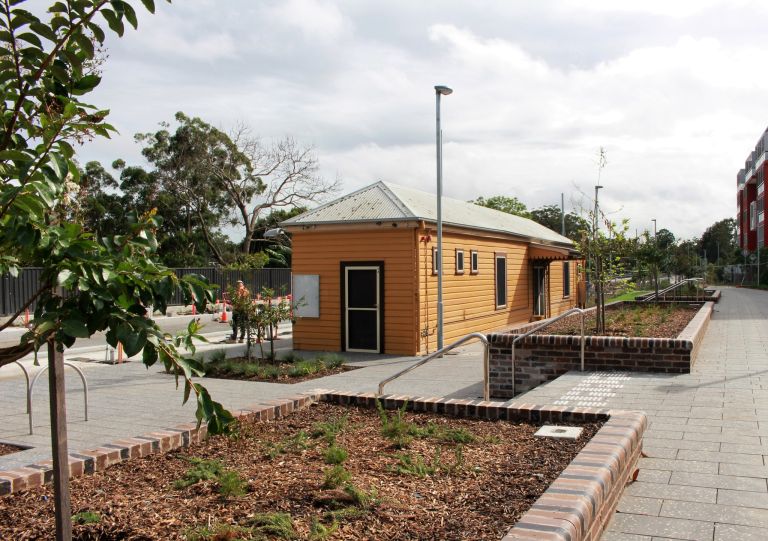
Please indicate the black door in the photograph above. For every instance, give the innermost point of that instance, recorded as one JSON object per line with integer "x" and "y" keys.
{"x": 362, "y": 313}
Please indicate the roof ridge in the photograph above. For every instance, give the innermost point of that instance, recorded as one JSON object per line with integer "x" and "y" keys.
{"x": 407, "y": 211}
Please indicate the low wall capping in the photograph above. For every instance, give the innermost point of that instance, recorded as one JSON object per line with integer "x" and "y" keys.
{"x": 541, "y": 358}
{"x": 576, "y": 506}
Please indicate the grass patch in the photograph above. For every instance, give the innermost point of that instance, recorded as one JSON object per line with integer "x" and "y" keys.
{"x": 86, "y": 517}
{"x": 219, "y": 532}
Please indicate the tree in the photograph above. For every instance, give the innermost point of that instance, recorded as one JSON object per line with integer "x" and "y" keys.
{"x": 264, "y": 177}
{"x": 186, "y": 166}
{"x": 504, "y": 203}
{"x": 551, "y": 216}
{"x": 719, "y": 240}
{"x": 90, "y": 282}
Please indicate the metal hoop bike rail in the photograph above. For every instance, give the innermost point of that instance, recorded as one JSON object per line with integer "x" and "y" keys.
{"x": 544, "y": 324}
{"x": 472, "y": 336}
{"x": 654, "y": 296}
{"x": 40, "y": 373}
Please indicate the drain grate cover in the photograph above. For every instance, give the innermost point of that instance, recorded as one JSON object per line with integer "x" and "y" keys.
{"x": 564, "y": 432}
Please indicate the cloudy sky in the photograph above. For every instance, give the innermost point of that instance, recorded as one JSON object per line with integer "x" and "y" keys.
{"x": 673, "y": 89}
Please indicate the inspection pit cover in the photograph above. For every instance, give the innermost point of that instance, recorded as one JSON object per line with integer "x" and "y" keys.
{"x": 564, "y": 432}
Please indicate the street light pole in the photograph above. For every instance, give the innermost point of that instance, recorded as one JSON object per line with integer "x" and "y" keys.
{"x": 440, "y": 91}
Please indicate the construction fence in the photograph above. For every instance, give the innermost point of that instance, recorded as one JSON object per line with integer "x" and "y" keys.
{"x": 16, "y": 291}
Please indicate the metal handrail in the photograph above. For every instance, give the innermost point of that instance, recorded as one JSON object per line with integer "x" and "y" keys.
{"x": 544, "y": 324}
{"x": 26, "y": 377}
{"x": 669, "y": 288}
{"x": 446, "y": 349}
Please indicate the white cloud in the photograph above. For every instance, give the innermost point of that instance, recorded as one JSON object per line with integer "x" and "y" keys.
{"x": 316, "y": 19}
{"x": 678, "y": 106}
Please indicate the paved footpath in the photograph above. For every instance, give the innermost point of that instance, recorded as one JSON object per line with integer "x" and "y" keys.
{"x": 707, "y": 443}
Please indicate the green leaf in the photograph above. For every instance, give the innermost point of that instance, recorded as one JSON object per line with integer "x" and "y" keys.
{"x": 149, "y": 4}
{"x": 113, "y": 21}
{"x": 87, "y": 83}
{"x": 75, "y": 327}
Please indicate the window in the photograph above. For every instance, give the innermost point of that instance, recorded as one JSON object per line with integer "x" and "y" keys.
{"x": 501, "y": 280}
{"x": 459, "y": 261}
{"x": 435, "y": 261}
{"x": 473, "y": 262}
{"x": 566, "y": 279}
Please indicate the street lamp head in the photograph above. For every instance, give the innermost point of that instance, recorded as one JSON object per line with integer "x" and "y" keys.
{"x": 444, "y": 90}
{"x": 598, "y": 187}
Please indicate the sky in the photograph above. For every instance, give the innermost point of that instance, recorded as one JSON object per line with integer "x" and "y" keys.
{"x": 673, "y": 90}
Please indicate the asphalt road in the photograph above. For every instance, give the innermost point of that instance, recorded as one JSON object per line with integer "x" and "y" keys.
{"x": 212, "y": 329}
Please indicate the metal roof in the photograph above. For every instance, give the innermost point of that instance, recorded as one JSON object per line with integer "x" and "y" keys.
{"x": 391, "y": 202}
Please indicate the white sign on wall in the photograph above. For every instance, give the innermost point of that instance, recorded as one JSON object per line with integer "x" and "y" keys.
{"x": 306, "y": 295}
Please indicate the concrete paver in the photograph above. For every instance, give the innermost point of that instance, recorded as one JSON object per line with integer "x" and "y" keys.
{"x": 707, "y": 442}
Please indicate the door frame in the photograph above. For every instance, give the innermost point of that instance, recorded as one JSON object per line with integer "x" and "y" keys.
{"x": 543, "y": 287}
{"x": 343, "y": 266}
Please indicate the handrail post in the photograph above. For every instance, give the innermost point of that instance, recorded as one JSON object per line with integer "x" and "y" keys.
{"x": 513, "y": 366}
{"x": 487, "y": 372}
{"x": 583, "y": 341}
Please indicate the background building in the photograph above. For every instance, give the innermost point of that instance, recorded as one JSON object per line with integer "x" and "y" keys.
{"x": 750, "y": 200}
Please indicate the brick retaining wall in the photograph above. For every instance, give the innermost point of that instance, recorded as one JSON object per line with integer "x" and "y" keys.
{"x": 543, "y": 358}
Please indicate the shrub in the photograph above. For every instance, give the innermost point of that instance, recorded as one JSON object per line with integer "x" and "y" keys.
{"x": 456, "y": 435}
{"x": 362, "y": 499}
{"x": 279, "y": 525}
{"x": 201, "y": 470}
{"x": 331, "y": 360}
{"x": 292, "y": 357}
{"x": 218, "y": 532}
{"x": 395, "y": 428}
{"x": 217, "y": 356}
{"x": 335, "y": 455}
{"x": 231, "y": 484}
{"x": 335, "y": 477}
{"x": 328, "y": 430}
{"x": 319, "y": 532}
{"x": 415, "y": 465}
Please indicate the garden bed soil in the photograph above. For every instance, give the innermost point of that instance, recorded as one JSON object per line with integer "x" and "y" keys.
{"x": 7, "y": 449}
{"x": 282, "y": 377}
{"x": 478, "y": 491}
{"x": 651, "y": 320}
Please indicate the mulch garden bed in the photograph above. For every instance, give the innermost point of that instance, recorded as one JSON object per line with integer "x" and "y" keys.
{"x": 325, "y": 472}
{"x": 651, "y": 320}
{"x": 7, "y": 449}
{"x": 291, "y": 370}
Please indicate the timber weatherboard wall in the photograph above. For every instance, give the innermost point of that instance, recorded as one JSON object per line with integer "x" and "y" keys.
{"x": 322, "y": 251}
{"x": 410, "y": 286}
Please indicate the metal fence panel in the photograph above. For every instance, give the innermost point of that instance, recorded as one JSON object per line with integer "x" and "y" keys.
{"x": 14, "y": 292}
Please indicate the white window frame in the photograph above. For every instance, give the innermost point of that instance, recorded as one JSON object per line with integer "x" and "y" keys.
{"x": 460, "y": 263}
{"x": 474, "y": 262}
{"x": 435, "y": 261}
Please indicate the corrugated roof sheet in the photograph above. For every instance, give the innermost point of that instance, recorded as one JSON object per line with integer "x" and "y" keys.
{"x": 387, "y": 201}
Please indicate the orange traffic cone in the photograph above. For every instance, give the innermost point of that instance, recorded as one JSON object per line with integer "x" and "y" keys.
{"x": 224, "y": 313}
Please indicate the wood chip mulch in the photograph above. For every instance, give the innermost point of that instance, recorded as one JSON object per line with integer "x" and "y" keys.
{"x": 652, "y": 321}
{"x": 6, "y": 449}
{"x": 478, "y": 492}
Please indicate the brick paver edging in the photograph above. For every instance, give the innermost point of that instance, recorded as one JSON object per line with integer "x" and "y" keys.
{"x": 577, "y": 505}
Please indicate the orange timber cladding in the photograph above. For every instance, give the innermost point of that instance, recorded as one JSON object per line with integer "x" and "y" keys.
{"x": 410, "y": 286}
